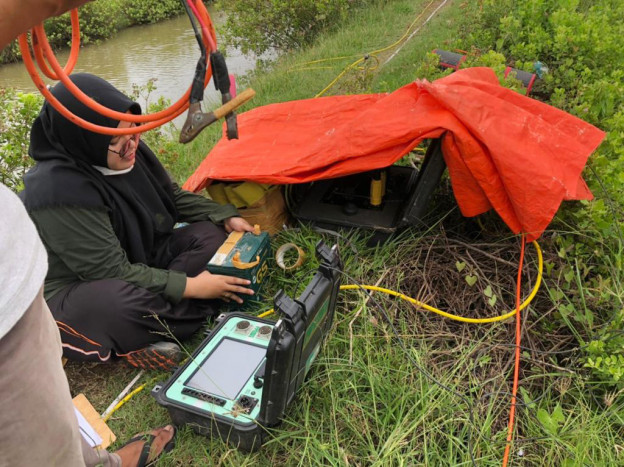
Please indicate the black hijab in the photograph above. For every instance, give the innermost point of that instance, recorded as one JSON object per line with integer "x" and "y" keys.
{"x": 140, "y": 203}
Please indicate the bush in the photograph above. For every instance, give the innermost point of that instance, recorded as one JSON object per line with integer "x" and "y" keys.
{"x": 99, "y": 20}
{"x": 579, "y": 41}
{"x": 17, "y": 112}
{"x": 10, "y": 53}
{"x": 150, "y": 11}
{"x": 260, "y": 25}
{"x": 160, "y": 139}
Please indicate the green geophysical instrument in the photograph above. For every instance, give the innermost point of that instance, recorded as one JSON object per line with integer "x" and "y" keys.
{"x": 245, "y": 374}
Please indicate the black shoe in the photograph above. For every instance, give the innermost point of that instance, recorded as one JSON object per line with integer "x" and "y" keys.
{"x": 159, "y": 356}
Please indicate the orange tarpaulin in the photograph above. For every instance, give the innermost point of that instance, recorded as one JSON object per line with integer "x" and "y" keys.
{"x": 503, "y": 150}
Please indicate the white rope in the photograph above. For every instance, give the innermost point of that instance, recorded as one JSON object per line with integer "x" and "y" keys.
{"x": 121, "y": 395}
{"x": 416, "y": 30}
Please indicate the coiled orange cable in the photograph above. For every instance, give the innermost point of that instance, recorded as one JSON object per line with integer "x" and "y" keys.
{"x": 73, "y": 55}
{"x": 43, "y": 51}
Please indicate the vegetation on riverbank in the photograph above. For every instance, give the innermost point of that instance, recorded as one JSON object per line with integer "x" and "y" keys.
{"x": 17, "y": 112}
{"x": 371, "y": 400}
{"x": 260, "y": 25}
{"x": 580, "y": 44}
{"x": 100, "y": 20}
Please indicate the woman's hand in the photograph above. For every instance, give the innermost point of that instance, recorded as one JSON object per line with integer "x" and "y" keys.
{"x": 208, "y": 286}
{"x": 237, "y": 224}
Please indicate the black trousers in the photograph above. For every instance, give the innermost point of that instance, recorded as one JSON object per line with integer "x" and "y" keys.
{"x": 103, "y": 319}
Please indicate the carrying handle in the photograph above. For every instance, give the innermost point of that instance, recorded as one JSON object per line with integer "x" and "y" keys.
{"x": 238, "y": 264}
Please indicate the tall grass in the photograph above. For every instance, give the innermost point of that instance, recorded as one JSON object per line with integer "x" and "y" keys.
{"x": 395, "y": 385}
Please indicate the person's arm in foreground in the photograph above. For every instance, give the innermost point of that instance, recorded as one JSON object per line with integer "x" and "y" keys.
{"x": 17, "y": 16}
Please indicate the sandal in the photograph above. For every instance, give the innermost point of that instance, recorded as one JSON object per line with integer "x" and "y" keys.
{"x": 148, "y": 439}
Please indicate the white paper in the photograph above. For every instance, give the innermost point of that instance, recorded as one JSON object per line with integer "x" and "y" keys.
{"x": 87, "y": 431}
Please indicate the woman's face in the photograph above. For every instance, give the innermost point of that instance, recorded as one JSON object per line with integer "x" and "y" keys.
{"x": 122, "y": 149}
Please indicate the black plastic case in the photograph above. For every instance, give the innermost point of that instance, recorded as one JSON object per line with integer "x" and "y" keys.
{"x": 342, "y": 202}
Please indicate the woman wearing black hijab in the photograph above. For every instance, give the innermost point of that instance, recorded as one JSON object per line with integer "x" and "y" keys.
{"x": 121, "y": 280}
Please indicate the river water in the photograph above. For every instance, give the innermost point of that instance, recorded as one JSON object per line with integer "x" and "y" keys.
{"x": 166, "y": 51}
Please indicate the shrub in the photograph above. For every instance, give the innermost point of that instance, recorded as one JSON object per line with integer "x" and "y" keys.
{"x": 160, "y": 139}
{"x": 261, "y": 25}
{"x": 579, "y": 41}
{"x": 10, "y": 53}
{"x": 98, "y": 20}
{"x": 17, "y": 112}
{"x": 150, "y": 11}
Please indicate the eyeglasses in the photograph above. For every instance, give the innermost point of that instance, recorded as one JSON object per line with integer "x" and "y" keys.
{"x": 123, "y": 152}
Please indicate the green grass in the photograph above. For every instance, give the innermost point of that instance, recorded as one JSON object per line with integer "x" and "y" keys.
{"x": 368, "y": 401}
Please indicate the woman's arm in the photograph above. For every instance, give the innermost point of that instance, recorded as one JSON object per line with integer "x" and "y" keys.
{"x": 85, "y": 241}
{"x": 195, "y": 208}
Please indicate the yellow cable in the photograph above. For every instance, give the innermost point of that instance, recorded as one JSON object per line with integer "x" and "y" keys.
{"x": 266, "y": 313}
{"x": 124, "y": 400}
{"x": 342, "y": 73}
{"x": 463, "y": 319}
{"x": 304, "y": 66}
{"x": 308, "y": 68}
{"x": 406, "y": 32}
{"x": 538, "y": 282}
{"x": 373, "y": 54}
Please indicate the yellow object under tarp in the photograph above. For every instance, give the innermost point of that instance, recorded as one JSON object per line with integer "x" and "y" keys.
{"x": 233, "y": 197}
{"x": 217, "y": 193}
{"x": 250, "y": 192}
{"x": 241, "y": 195}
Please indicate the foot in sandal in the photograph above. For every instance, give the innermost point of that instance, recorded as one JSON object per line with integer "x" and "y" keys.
{"x": 145, "y": 448}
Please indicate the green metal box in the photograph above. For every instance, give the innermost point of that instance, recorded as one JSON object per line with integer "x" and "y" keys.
{"x": 243, "y": 255}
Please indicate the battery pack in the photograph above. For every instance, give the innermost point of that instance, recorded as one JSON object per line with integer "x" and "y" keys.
{"x": 244, "y": 255}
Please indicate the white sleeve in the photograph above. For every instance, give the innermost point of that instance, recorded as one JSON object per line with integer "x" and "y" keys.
{"x": 23, "y": 260}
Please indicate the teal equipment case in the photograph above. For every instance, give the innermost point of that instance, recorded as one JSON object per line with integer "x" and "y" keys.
{"x": 245, "y": 374}
{"x": 243, "y": 254}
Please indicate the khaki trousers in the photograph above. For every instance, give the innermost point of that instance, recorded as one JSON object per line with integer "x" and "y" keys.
{"x": 38, "y": 425}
